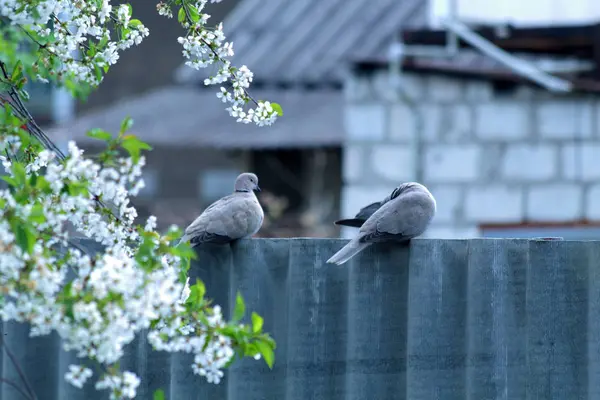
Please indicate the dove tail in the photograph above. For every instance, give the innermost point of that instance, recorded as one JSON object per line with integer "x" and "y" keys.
{"x": 348, "y": 251}
{"x": 353, "y": 222}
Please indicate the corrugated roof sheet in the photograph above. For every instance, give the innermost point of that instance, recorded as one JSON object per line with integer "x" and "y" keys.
{"x": 307, "y": 41}
{"x": 195, "y": 117}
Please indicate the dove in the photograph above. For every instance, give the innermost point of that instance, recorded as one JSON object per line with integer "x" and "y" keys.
{"x": 236, "y": 216}
{"x": 403, "y": 215}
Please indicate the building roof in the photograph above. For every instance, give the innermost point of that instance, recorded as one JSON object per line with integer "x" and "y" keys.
{"x": 565, "y": 40}
{"x": 178, "y": 116}
{"x": 477, "y": 67}
{"x": 307, "y": 41}
{"x": 572, "y": 51}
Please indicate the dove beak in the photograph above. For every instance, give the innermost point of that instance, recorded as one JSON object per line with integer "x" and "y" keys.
{"x": 257, "y": 188}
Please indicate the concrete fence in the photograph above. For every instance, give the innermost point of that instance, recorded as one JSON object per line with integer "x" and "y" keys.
{"x": 444, "y": 319}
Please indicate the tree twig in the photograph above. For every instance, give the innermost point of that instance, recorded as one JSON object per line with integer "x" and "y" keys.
{"x": 36, "y": 131}
{"x": 18, "y": 368}
{"x": 16, "y": 387}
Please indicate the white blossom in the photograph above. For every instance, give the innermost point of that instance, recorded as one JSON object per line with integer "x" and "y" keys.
{"x": 85, "y": 23}
{"x": 202, "y": 48}
{"x": 78, "y": 375}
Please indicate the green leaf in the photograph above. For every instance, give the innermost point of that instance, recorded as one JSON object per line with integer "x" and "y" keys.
{"x": 42, "y": 184}
{"x": 257, "y": 322}
{"x": 19, "y": 173}
{"x": 17, "y": 72}
{"x": 200, "y": 288}
{"x": 103, "y": 42}
{"x": 134, "y": 23}
{"x": 194, "y": 15}
{"x": 25, "y": 237}
{"x": 10, "y": 180}
{"x": 76, "y": 188}
{"x": 33, "y": 180}
{"x": 126, "y": 125}
{"x": 91, "y": 52}
{"x": 266, "y": 352}
{"x": 5, "y": 87}
{"x": 181, "y": 15}
{"x": 197, "y": 292}
{"x": 159, "y": 394}
{"x": 184, "y": 268}
{"x": 37, "y": 214}
{"x": 277, "y": 108}
{"x": 240, "y": 308}
{"x": 130, "y": 9}
{"x": 134, "y": 146}
{"x": 65, "y": 297}
{"x": 98, "y": 72}
{"x": 99, "y": 134}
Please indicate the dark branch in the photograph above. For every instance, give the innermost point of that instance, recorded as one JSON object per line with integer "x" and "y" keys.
{"x": 16, "y": 387}
{"x": 18, "y": 368}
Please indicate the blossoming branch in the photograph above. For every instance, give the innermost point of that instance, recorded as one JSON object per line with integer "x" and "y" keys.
{"x": 98, "y": 301}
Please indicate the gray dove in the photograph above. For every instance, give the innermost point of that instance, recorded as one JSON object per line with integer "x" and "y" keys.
{"x": 236, "y": 216}
{"x": 403, "y": 215}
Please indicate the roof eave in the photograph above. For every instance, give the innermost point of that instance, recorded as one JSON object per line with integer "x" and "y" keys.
{"x": 490, "y": 74}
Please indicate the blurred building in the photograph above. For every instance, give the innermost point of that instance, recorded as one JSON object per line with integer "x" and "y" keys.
{"x": 298, "y": 52}
{"x": 199, "y": 150}
{"x": 498, "y": 150}
{"x": 503, "y": 155}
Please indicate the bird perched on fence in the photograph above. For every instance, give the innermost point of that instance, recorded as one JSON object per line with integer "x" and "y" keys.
{"x": 236, "y": 216}
{"x": 401, "y": 216}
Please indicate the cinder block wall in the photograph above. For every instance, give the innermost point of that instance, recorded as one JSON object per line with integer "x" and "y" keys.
{"x": 522, "y": 155}
{"x": 444, "y": 319}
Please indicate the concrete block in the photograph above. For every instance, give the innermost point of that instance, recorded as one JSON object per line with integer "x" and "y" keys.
{"x": 452, "y": 163}
{"x": 403, "y": 122}
{"x": 365, "y": 121}
{"x": 357, "y": 89}
{"x": 494, "y": 204}
{"x": 449, "y": 201}
{"x": 432, "y": 123}
{"x": 491, "y": 161}
{"x": 457, "y": 123}
{"x": 355, "y": 197}
{"x": 525, "y": 162}
{"x": 592, "y": 203}
{"x": 524, "y": 92}
{"x": 502, "y": 120}
{"x": 415, "y": 86}
{"x": 596, "y": 111}
{"x": 444, "y": 89}
{"x": 478, "y": 91}
{"x": 384, "y": 87}
{"x": 555, "y": 202}
{"x": 581, "y": 161}
{"x": 451, "y": 232}
{"x": 393, "y": 162}
{"x": 565, "y": 119}
{"x": 353, "y": 162}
